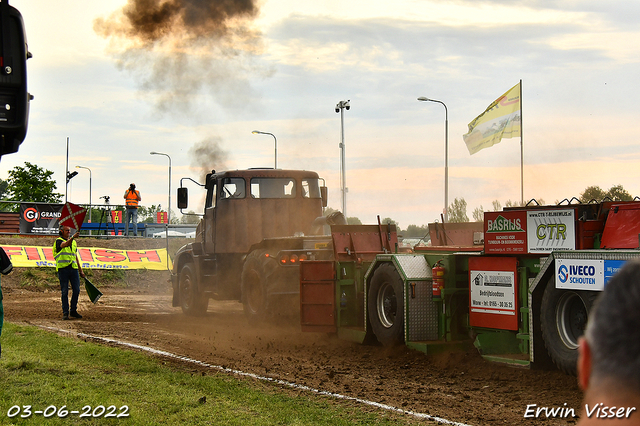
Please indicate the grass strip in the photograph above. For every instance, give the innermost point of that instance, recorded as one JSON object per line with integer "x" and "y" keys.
{"x": 54, "y": 374}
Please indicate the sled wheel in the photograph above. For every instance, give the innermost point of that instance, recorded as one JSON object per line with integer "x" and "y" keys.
{"x": 386, "y": 305}
{"x": 563, "y": 319}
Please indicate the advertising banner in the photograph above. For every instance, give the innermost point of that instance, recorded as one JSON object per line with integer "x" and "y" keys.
{"x": 577, "y": 274}
{"x": 90, "y": 258}
{"x": 39, "y": 218}
{"x": 162, "y": 217}
{"x": 534, "y": 231}
{"x": 551, "y": 230}
{"x": 610, "y": 268}
{"x": 492, "y": 292}
{"x": 116, "y": 216}
{"x": 505, "y": 232}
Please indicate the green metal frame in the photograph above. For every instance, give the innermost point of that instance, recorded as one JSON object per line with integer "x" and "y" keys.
{"x": 351, "y": 301}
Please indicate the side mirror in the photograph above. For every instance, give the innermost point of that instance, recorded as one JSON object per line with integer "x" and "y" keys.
{"x": 183, "y": 198}
{"x": 324, "y": 194}
{"x": 14, "y": 98}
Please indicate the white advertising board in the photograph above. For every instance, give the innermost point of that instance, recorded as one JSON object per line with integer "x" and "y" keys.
{"x": 493, "y": 292}
{"x": 575, "y": 274}
{"x": 550, "y": 230}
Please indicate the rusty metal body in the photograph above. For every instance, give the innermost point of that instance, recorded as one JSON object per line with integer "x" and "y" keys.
{"x": 254, "y": 231}
{"x": 235, "y": 222}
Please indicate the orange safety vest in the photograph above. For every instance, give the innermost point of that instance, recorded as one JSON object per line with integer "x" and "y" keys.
{"x": 132, "y": 198}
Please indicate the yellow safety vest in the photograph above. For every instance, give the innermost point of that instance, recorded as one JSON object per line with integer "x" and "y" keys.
{"x": 132, "y": 198}
{"x": 66, "y": 256}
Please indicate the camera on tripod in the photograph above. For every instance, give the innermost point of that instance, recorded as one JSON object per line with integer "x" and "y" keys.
{"x": 106, "y": 214}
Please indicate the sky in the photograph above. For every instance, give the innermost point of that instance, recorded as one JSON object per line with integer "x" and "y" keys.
{"x": 282, "y": 66}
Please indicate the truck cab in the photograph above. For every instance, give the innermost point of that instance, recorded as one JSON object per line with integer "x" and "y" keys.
{"x": 253, "y": 219}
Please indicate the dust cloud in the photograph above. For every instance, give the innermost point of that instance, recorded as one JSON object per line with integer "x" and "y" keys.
{"x": 186, "y": 53}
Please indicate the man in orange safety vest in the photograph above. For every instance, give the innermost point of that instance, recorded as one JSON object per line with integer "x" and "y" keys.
{"x": 132, "y": 198}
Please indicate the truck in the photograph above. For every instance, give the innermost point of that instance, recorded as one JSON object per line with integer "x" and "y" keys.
{"x": 518, "y": 287}
{"x": 257, "y": 225}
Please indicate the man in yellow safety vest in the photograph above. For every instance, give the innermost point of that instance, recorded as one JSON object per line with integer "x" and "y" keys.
{"x": 132, "y": 198}
{"x": 65, "y": 252}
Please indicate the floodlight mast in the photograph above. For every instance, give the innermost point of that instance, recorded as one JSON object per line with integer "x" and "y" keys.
{"x": 340, "y": 107}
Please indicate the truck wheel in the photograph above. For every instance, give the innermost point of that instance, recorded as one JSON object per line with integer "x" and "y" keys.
{"x": 254, "y": 286}
{"x": 386, "y": 305}
{"x": 191, "y": 301}
{"x": 563, "y": 319}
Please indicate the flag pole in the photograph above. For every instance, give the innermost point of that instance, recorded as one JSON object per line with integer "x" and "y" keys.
{"x": 521, "y": 151}
{"x": 66, "y": 173}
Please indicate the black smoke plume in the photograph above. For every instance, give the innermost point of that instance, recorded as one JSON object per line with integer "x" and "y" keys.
{"x": 207, "y": 155}
{"x": 186, "y": 53}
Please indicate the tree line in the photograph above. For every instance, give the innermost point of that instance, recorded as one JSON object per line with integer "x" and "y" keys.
{"x": 32, "y": 183}
{"x": 457, "y": 211}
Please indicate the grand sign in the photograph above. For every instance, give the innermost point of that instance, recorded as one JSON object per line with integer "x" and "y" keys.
{"x": 39, "y": 218}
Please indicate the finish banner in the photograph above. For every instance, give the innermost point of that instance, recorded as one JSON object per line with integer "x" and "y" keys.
{"x": 90, "y": 258}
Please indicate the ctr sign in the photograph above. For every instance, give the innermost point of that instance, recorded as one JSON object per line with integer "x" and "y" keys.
{"x": 551, "y": 230}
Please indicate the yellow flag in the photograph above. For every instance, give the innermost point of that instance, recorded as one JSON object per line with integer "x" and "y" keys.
{"x": 500, "y": 120}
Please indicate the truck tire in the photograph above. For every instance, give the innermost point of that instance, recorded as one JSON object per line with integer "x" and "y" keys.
{"x": 385, "y": 304}
{"x": 191, "y": 301}
{"x": 255, "y": 299}
{"x": 563, "y": 319}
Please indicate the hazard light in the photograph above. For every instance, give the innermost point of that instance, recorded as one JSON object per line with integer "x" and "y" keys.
{"x": 290, "y": 259}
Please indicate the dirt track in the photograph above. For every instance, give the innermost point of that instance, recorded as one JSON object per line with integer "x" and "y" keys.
{"x": 459, "y": 387}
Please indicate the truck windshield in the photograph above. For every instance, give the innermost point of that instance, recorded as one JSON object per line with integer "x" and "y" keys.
{"x": 311, "y": 188}
{"x": 232, "y": 188}
{"x": 273, "y": 188}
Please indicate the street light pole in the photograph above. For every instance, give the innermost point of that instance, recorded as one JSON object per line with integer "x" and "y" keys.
{"x": 340, "y": 107}
{"x": 169, "y": 209}
{"x": 82, "y": 167}
{"x": 446, "y": 155}
{"x": 275, "y": 143}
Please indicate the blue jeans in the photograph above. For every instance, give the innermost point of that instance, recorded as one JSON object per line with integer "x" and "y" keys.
{"x": 66, "y": 276}
{"x": 131, "y": 214}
